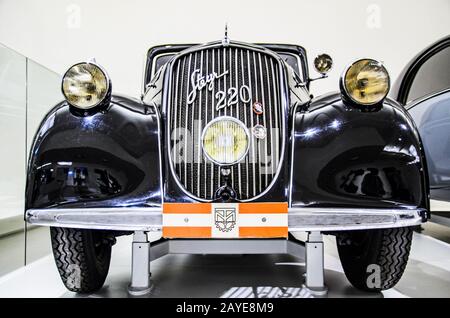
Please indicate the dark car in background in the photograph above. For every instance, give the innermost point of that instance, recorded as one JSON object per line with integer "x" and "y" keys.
{"x": 424, "y": 88}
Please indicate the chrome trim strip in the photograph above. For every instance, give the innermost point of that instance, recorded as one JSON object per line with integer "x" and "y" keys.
{"x": 294, "y": 113}
{"x": 175, "y": 120}
{"x": 253, "y": 158}
{"x": 247, "y": 181}
{"x": 186, "y": 130}
{"x": 144, "y": 68}
{"x": 299, "y": 218}
{"x": 200, "y": 135}
{"x": 236, "y": 84}
{"x": 258, "y": 145}
{"x": 178, "y": 145}
{"x": 212, "y": 117}
{"x": 231, "y": 85}
{"x": 263, "y": 97}
{"x": 161, "y": 178}
{"x": 335, "y": 219}
{"x": 205, "y": 164}
{"x": 275, "y": 83}
{"x": 272, "y": 141}
{"x": 191, "y": 127}
{"x": 122, "y": 219}
{"x": 283, "y": 99}
{"x": 225, "y": 109}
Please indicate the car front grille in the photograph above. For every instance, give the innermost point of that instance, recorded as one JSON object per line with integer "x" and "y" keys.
{"x": 258, "y": 70}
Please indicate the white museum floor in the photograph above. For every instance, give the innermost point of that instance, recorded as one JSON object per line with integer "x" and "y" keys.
{"x": 427, "y": 274}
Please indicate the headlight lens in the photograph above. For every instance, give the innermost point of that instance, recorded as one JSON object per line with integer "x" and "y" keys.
{"x": 366, "y": 82}
{"x": 225, "y": 141}
{"x": 85, "y": 85}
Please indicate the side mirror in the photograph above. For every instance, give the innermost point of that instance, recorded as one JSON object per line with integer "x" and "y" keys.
{"x": 323, "y": 64}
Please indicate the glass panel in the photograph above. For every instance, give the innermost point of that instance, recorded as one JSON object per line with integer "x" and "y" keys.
{"x": 12, "y": 160}
{"x": 43, "y": 93}
{"x": 433, "y": 75}
{"x": 432, "y": 118}
{"x": 28, "y": 91}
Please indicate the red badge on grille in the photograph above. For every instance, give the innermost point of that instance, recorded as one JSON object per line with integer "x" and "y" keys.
{"x": 258, "y": 108}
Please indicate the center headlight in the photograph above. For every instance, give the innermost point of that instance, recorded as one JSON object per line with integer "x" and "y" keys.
{"x": 225, "y": 140}
{"x": 366, "y": 82}
{"x": 85, "y": 85}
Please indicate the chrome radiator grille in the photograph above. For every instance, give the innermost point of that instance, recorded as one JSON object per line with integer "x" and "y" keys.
{"x": 261, "y": 73}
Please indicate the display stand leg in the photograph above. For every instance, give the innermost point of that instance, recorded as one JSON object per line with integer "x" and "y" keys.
{"x": 314, "y": 281}
{"x": 140, "y": 265}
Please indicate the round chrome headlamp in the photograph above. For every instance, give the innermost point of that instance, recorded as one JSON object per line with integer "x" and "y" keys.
{"x": 85, "y": 85}
{"x": 365, "y": 82}
{"x": 225, "y": 140}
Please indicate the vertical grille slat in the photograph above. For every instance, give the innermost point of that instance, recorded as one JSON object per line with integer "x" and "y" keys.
{"x": 212, "y": 117}
{"x": 264, "y": 142}
{"x": 186, "y": 137}
{"x": 252, "y": 140}
{"x": 271, "y": 103}
{"x": 238, "y": 115}
{"x": 255, "y": 69}
{"x": 257, "y": 98}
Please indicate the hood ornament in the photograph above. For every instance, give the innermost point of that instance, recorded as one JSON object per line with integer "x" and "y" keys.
{"x": 226, "y": 39}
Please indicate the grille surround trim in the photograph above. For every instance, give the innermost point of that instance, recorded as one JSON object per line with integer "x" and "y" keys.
{"x": 283, "y": 91}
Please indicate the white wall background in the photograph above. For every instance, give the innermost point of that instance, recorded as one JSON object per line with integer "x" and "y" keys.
{"x": 57, "y": 33}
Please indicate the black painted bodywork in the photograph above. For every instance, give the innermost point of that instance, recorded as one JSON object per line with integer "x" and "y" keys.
{"x": 347, "y": 157}
{"x": 341, "y": 157}
{"x": 106, "y": 159}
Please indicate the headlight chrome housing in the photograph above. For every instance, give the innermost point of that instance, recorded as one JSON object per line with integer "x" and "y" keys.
{"x": 85, "y": 85}
{"x": 365, "y": 82}
{"x": 225, "y": 140}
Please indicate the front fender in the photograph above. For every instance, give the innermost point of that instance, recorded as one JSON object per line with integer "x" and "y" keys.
{"x": 110, "y": 158}
{"x": 345, "y": 157}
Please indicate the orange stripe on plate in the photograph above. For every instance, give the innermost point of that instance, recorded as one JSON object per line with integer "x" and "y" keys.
{"x": 269, "y": 231}
{"x": 271, "y": 207}
{"x": 186, "y": 232}
{"x": 186, "y": 208}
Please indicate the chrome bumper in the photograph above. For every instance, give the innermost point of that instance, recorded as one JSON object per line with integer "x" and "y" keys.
{"x": 299, "y": 218}
{"x": 339, "y": 219}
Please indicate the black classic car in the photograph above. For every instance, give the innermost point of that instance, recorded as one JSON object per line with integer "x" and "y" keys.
{"x": 228, "y": 152}
{"x": 424, "y": 88}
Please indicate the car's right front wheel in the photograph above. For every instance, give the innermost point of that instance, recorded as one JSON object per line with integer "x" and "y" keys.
{"x": 82, "y": 257}
{"x": 374, "y": 260}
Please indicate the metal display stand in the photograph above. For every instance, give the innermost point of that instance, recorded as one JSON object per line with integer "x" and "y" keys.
{"x": 143, "y": 253}
{"x": 314, "y": 280}
{"x": 140, "y": 265}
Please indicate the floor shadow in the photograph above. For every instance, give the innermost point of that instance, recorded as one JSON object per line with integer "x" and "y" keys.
{"x": 228, "y": 276}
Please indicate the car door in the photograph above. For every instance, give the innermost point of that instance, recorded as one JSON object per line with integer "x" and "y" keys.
{"x": 424, "y": 88}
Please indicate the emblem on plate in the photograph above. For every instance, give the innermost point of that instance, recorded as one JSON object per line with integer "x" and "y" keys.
{"x": 258, "y": 108}
{"x": 259, "y": 131}
{"x": 225, "y": 218}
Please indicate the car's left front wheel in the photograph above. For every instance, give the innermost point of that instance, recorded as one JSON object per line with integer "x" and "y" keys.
{"x": 82, "y": 257}
{"x": 374, "y": 260}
